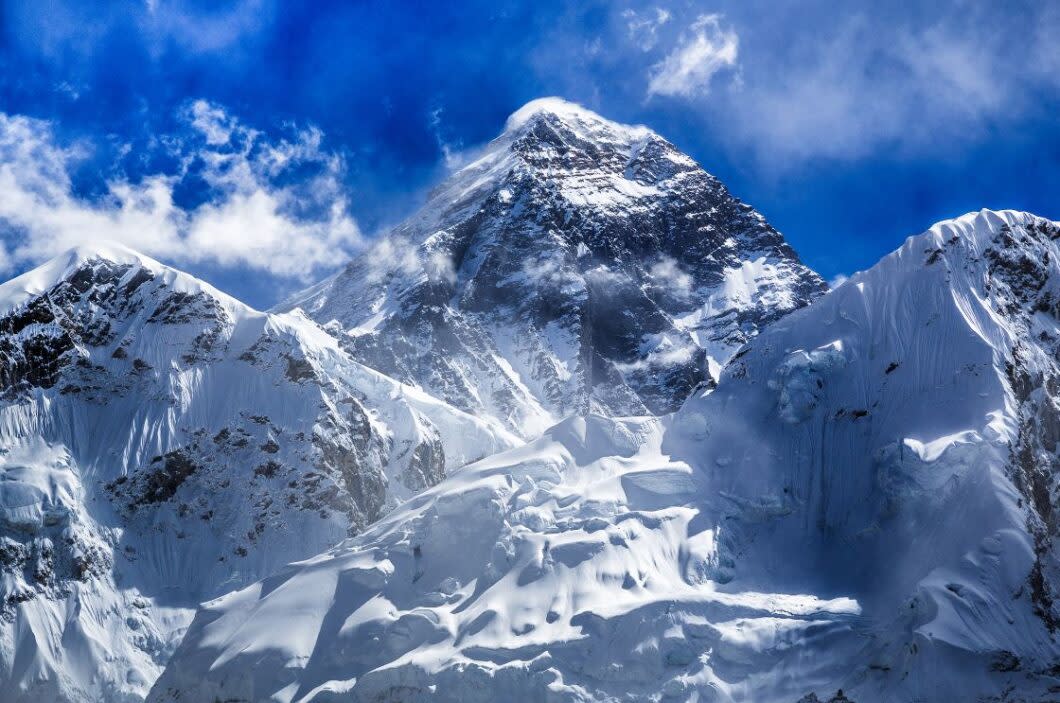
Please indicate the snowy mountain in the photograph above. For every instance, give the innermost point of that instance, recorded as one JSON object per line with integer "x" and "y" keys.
{"x": 162, "y": 443}
{"x": 577, "y": 265}
{"x": 862, "y": 510}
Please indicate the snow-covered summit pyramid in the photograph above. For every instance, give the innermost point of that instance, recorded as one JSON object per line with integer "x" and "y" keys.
{"x": 161, "y": 443}
{"x": 865, "y": 503}
{"x": 575, "y": 265}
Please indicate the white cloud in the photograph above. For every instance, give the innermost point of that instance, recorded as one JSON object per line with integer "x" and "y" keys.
{"x": 644, "y": 27}
{"x": 212, "y": 121}
{"x": 439, "y": 267}
{"x": 666, "y": 273}
{"x": 882, "y": 83}
{"x": 548, "y": 271}
{"x": 452, "y": 154}
{"x": 391, "y": 253}
{"x": 702, "y": 52}
{"x": 290, "y": 227}
{"x": 792, "y": 85}
{"x": 602, "y": 275}
{"x": 213, "y": 29}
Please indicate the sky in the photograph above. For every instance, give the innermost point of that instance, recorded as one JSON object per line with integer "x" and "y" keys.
{"x": 259, "y": 144}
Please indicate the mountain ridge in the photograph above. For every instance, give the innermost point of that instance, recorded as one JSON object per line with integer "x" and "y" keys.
{"x": 575, "y": 264}
{"x": 160, "y": 443}
{"x": 860, "y": 510}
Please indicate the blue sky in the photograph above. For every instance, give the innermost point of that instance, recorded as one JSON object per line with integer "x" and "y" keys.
{"x": 259, "y": 143}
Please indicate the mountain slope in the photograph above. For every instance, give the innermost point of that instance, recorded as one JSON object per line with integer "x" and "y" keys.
{"x": 864, "y": 503}
{"x": 161, "y": 443}
{"x": 577, "y": 265}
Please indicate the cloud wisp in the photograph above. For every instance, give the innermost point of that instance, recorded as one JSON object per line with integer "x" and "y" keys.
{"x": 703, "y": 51}
{"x": 667, "y": 274}
{"x": 875, "y": 84}
{"x": 275, "y": 205}
{"x": 643, "y": 27}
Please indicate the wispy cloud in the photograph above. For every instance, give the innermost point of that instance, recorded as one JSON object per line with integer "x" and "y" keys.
{"x": 643, "y": 27}
{"x": 667, "y": 274}
{"x": 212, "y": 122}
{"x": 704, "y": 50}
{"x": 876, "y": 83}
{"x": 209, "y": 29}
{"x": 277, "y": 205}
{"x": 453, "y": 154}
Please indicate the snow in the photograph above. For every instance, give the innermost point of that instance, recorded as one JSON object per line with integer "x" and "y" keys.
{"x": 561, "y": 290}
{"x": 566, "y": 536}
{"x": 19, "y": 290}
{"x": 863, "y": 501}
{"x": 842, "y": 512}
{"x": 800, "y": 379}
{"x": 568, "y": 112}
{"x": 99, "y": 580}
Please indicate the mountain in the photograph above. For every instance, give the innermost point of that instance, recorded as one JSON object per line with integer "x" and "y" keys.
{"x": 576, "y": 265}
{"x": 162, "y": 443}
{"x": 862, "y": 510}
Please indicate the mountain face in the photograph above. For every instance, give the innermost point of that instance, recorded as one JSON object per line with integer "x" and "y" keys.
{"x": 162, "y": 443}
{"x": 862, "y": 510}
{"x": 576, "y": 266}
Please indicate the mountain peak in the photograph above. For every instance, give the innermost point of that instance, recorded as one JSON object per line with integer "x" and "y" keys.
{"x": 99, "y": 250}
{"x": 63, "y": 267}
{"x": 983, "y": 222}
{"x": 973, "y": 233}
{"x": 42, "y": 278}
{"x": 577, "y": 265}
{"x": 570, "y": 114}
{"x": 107, "y": 249}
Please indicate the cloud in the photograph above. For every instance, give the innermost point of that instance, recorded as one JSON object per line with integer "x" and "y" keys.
{"x": 273, "y": 205}
{"x": 207, "y": 29}
{"x": 701, "y": 53}
{"x": 394, "y": 253}
{"x": 391, "y": 254}
{"x": 666, "y": 273}
{"x": 439, "y": 267}
{"x": 453, "y": 155}
{"x": 643, "y": 27}
{"x": 877, "y": 82}
{"x": 549, "y": 271}
{"x": 213, "y": 122}
{"x": 602, "y": 275}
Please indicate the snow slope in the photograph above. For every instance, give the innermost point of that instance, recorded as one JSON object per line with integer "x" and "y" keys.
{"x": 576, "y": 265}
{"x": 864, "y": 503}
{"x": 162, "y": 443}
